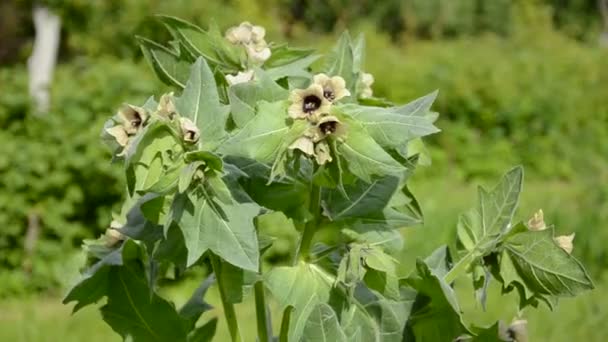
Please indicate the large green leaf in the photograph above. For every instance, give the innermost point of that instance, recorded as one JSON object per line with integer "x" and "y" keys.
{"x": 323, "y": 326}
{"x": 341, "y": 61}
{"x": 360, "y": 199}
{"x": 265, "y": 136}
{"x": 394, "y": 127}
{"x": 200, "y": 102}
{"x": 297, "y": 68}
{"x": 283, "y": 54}
{"x": 225, "y": 229}
{"x": 196, "y": 305}
{"x": 134, "y": 310}
{"x": 479, "y": 229}
{"x": 170, "y": 66}
{"x": 204, "y": 333}
{"x": 244, "y": 97}
{"x": 94, "y": 282}
{"x": 365, "y": 157}
{"x": 544, "y": 267}
{"x": 435, "y": 314}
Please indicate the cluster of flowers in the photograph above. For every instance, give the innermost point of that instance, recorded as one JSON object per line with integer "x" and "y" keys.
{"x": 131, "y": 119}
{"x": 251, "y": 37}
{"x": 314, "y": 104}
{"x": 537, "y": 223}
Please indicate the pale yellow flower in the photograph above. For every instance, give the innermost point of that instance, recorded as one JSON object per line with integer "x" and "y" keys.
{"x": 308, "y": 103}
{"x": 329, "y": 125}
{"x": 258, "y": 54}
{"x": 240, "y": 77}
{"x": 322, "y": 153}
{"x": 119, "y": 134}
{"x": 364, "y": 86}
{"x": 334, "y": 88}
{"x": 241, "y": 34}
{"x": 112, "y": 235}
{"x": 252, "y": 38}
{"x": 303, "y": 144}
{"x": 565, "y": 242}
{"x": 189, "y": 130}
{"x": 166, "y": 105}
{"x": 537, "y": 221}
{"x": 133, "y": 118}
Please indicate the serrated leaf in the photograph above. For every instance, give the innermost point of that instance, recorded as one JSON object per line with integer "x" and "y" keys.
{"x": 244, "y": 97}
{"x": 436, "y": 313}
{"x": 133, "y": 310}
{"x": 366, "y": 158}
{"x": 170, "y": 66}
{"x": 392, "y": 127}
{"x": 225, "y": 229}
{"x": 203, "y": 333}
{"x": 262, "y": 138}
{"x": 544, "y": 267}
{"x": 322, "y": 326}
{"x": 362, "y": 198}
{"x": 196, "y": 305}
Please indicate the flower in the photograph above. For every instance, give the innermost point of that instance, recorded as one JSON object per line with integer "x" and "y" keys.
{"x": 308, "y": 103}
{"x": 304, "y": 144}
{"x": 322, "y": 154}
{"x": 329, "y": 125}
{"x": 119, "y": 134}
{"x": 252, "y": 37}
{"x": 565, "y": 242}
{"x": 166, "y": 106}
{"x": 537, "y": 222}
{"x": 132, "y": 118}
{"x": 364, "y": 85}
{"x": 189, "y": 130}
{"x": 334, "y": 88}
{"x": 517, "y": 331}
{"x": 241, "y": 77}
{"x": 113, "y": 235}
{"x": 258, "y": 53}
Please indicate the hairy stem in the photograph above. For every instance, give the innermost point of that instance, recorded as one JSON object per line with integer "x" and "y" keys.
{"x": 229, "y": 313}
{"x": 311, "y": 226}
{"x": 261, "y": 312}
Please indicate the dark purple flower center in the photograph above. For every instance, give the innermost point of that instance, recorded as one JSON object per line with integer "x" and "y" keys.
{"x": 329, "y": 127}
{"x": 311, "y": 103}
{"x": 329, "y": 94}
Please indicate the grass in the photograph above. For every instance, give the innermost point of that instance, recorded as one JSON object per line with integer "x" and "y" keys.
{"x": 44, "y": 318}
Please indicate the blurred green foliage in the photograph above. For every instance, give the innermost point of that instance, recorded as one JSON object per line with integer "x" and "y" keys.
{"x": 517, "y": 79}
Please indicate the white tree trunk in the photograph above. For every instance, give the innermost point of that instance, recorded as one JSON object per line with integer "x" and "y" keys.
{"x": 44, "y": 56}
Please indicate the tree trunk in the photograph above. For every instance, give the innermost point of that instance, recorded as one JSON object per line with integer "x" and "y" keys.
{"x": 44, "y": 56}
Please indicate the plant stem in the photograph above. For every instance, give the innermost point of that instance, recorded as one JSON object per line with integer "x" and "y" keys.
{"x": 284, "y": 333}
{"x": 261, "y": 312}
{"x": 461, "y": 266}
{"x": 311, "y": 226}
{"x": 229, "y": 313}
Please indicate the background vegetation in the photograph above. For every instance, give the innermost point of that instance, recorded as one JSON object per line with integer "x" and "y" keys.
{"x": 520, "y": 82}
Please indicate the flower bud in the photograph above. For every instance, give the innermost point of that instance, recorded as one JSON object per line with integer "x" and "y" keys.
{"x": 240, "y": 77}
{"x": 190, "y": 132}
{"x": 537, "y": 221}
{"x": 166, "y": 106}
{"x": 565, "y": 242}
{"x": 364, "y": 85}
{"x": 133, "y": 118}
{"x": 322, "y": 153}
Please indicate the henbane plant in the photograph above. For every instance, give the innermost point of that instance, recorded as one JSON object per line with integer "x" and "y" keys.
{"x": 258, "y": 133}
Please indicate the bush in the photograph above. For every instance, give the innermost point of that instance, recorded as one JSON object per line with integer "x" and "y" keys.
{"x": 52, "y": 167}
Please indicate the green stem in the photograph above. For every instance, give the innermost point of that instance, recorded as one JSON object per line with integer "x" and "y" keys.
{"x": 311, "y": 226}
{"x": 284, "y": 333}
{"x": 461, "y": 266}
{"x": 261, "y": 312}
{"x": 229, "y": 312}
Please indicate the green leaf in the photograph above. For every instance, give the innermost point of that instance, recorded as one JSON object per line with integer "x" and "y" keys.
{"x": 94, "y": 282}
{"x": 544, "y": 267}
{"x": 196, "y": 305}
{"x": 436, "y": 313}
{"x": 244, "y": 97}
{"x": 297, "y": 68}
{"x": 225, "y": 229}
{"x": 391, "y": 316}
{"x": 340, "y": 62}
{"x": 203, "y": 333}
{"x": 283, "y": 54}
{"x": 323, "y": 326}
{"x": 262, "y": 138}
{"x": 359, "y": 53}
{"x": 362, "y": 198}
{"x": 200, "y": 102}
{"x": 479, "y": 229}
{"x": 302, "y": 287}
{"x": 237, "y": 282}
{"x": 490, "y": 334}
{"x": 134, "y": 310}
{"x": 392, "y": 127}
{"x": 170, "y": 66}
{"x": 366, "y": 158}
